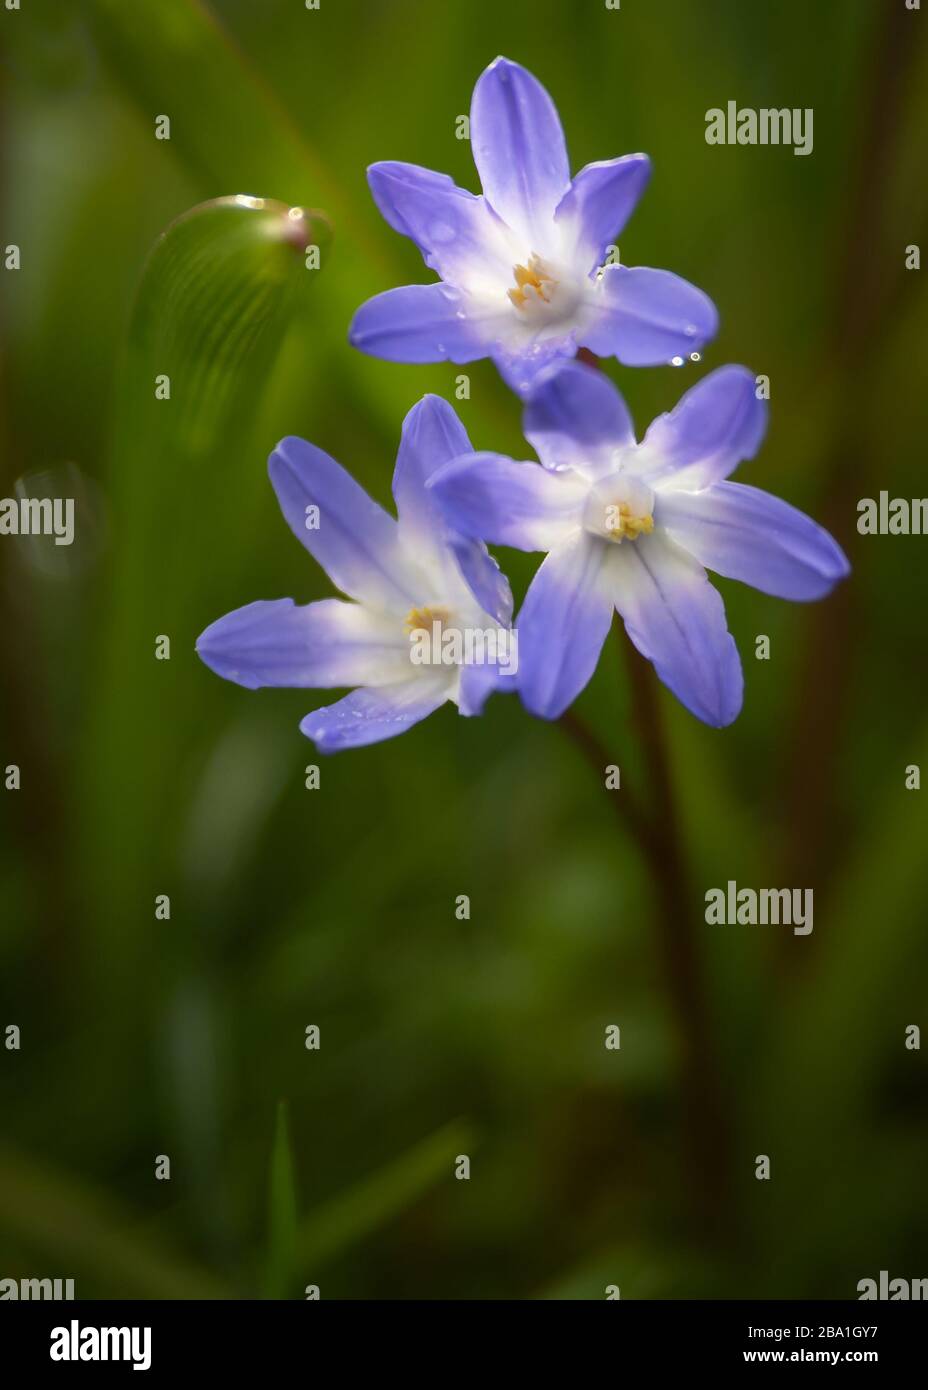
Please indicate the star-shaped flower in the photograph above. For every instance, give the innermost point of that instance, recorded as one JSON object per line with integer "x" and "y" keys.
{"x": 522, "y": 277}
{"x": 410, "y": 581}
{"x": 632, "y": 527}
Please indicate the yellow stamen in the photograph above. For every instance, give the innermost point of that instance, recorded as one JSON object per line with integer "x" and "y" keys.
{"x": 534, "y": 276}
{"x": 418, "y": 619}
{"x": 622, "y": 524}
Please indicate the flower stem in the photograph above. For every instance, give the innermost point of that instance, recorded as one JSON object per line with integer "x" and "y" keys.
{"x": 703, "y": 1110}
{"x": 599, "y": 757}
{"x": 704, "y": 1114}
{"x": 656, "y": 833}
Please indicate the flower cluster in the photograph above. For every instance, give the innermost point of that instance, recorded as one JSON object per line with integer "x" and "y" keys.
{"x": 624, "y": 525}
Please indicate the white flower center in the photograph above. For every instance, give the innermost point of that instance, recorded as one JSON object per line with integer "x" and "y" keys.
{"x": 619, "y": 508}
{"x": 541, "y": 294}
{"x": 438, "y": 637}
{"x": 424, "y": 619}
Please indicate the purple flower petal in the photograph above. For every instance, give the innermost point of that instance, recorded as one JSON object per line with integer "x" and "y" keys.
{"x": 519, "y": 150}
{"x": 458, "y": 234}
{"x": 677, "y": 620}
{"x": 562, "y": 625}
{"x": 712, "y": 428}
{"x": 425, "y": 323}
{"x": 520, "y": 369}
{"x": 744, "y": 533}
{"x": 322, "y": 644}
{"x": 433, "y": 436}
{"x": 353, "y": 539}
{"x": 507, "y": 503}
{"x": 478, "y": 683}
{"x": 575, "y": 417}
{"x": 376, "y": 713}
{"x": 647, "y": 317}
{"x": 599, "y": 202}
{"x": 483, "y": 577}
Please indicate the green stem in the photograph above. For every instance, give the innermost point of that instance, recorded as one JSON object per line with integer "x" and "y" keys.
{"x": 656, "y": 833}
{"x": 704, "y": 1112}
{"x": 658, "y": 837}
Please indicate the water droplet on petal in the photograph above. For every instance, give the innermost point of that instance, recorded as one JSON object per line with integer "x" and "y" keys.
{"x": 676, "y": 361}
{"x": 695, "y": 356}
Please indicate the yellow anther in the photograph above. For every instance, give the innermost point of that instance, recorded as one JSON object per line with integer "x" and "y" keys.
{"x": 534, "y": 277}
{"x": 418, "y": 619}
{"x": 622, "y": 524}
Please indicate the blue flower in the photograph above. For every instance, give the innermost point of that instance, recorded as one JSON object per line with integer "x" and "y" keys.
{"x": 631, "y": 526}
{"x": 409, "y": 580}
{"x": 521, "y": 278}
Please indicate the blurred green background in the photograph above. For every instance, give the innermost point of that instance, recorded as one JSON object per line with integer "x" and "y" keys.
{"x": 335, "y": 907}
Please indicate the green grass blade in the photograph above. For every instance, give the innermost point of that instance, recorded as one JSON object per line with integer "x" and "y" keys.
{"x": 173, "y": 59}
{"x": 356, "y": 1214}
{"x": 56, "y": 1216}
{"x": 216, "y": 297}
{"x": 282, "y": 1210}
{"x": 219, "y": 293}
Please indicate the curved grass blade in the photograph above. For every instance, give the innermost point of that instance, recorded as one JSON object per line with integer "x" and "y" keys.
{"x": 220, "y": 291}
{"x": 216, "y": 297}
